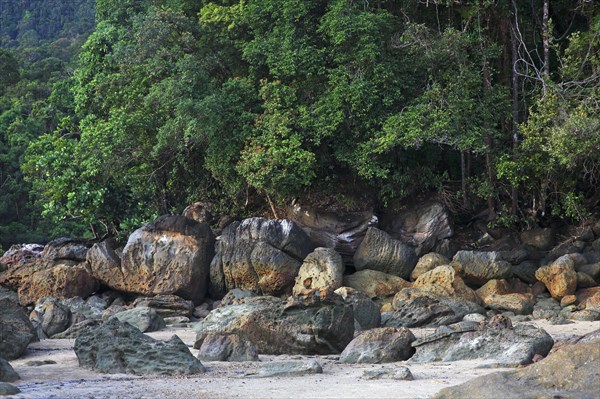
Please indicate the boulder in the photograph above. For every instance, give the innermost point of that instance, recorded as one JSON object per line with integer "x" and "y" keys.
{"x": 227, "y": 348}
{"x": 366, "y": 312}
{"x": 8, "y": 389}
{"x": 498, "y": 342}
{"x": 380, "y": 345}
{"x": 322, "y": 269}
{"x": 260, "y": 255}
{"x": 116, "y": 347}
{"x": 445, "y": 281}
{"x": 60, "y": 279}
{"x": 237, "y": 296}
{"x": 76, "y": 328}
{"x": 375, "y": 284}
{"x": 525, "y": 271}
{"x": 51, "y": 317}
{"x": 378, "y": 251}
{"x": 570, "y": 372}
{"x": 16, "y": 331}
{"x": 401, "y": 373}
{"x": 20, "y": 254}
{"x": 7, "y": 373}
{"x": 90, "y": 308}
{"x": 517, "y": 303}
{"x": 592, "y": 270}
{"x": 5, "y": 293}
{"x": 166, "y": 305}
{"x": 422, "y": 225}
{"x": 66, "y": 249}
{"x": 200, "y": 212}
{"x": 428, "y": 262}
{"x": 170, "y": 255}
{"x": 291, "y": 368}
{"x": 276, "y": 328}
{"x": 105, "y": 263}
{"x": 559, "y": 277}
{"x": 477, "y": 268}
{"x": 540, "y": 238}
{"x": 416, "y": 308}
{"x": 589, "y": 298}
{"x": 341, "y": 231}
{"x": 142, "y": 318}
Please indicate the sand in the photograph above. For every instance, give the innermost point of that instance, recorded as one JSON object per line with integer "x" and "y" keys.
{"x": 64, "y": 379}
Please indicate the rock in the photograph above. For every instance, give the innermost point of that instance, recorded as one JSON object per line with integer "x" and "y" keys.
{"x": 7, "y": 373}
{"x": 559, "y": 277}
{"x": 105, "y": 263}
{"x": 566, "y": 248}
{"x": 55, "y": 317}
{"x": 90, "y": 308}
{"x": 290, "y": 368}
{"x": 416, "y": 308}
{"x": 498, "y": 342}
{"x": 478, "y": 268}
{"x": 546, "y": 308}
{"x": 166, "y": 305}
{"x": 428, "y": 262}
{"x": 60, "y": 279}
{"x": 379, "y": 345}
{"x": 322, "y": 268}
{"x": 366, "y": 312}
{"x": 65, "y": 249}
{"x": 375, "y": 284}
{"x": 568, "y": 300}
{"x": 116, "y": 347}
{"x": 401, "y": 373}
{"x": 378, "y": 251}
{"x": 517, "y": 303}
{"x": 540, "y": 238}
{"x": 494, "y": 287}
{"x": 341, "y": 231}
{"x": 202, "y": 311}
{"x": 585, "y": 281}
{"x": 276, "y": 328}
{"x": 8, "y": 389}
{"x": 444, "y": 281}
{"x": 525, "y": 271}
{"x": 20, "y": 254}
{"x": 259, "y": 255}
{"x": 237, "y": 296}
{"x": 170, "y": 255}
{"x": 589, "y": 298}
{"x": 76, "y": 328}
{"x": 179, "y": 321}
{"x": 5, "y": 293}
{"x": 227, "y": 348}
{"x": 16, "y": 331}
{"x": 200, "y": 212}
{"x": 592, "y": 270}
{"x": 584, "y": 315}
{"x": 570, "y": 372}
{"x": 144, "y": 319}
{"x": 422, "y": 225}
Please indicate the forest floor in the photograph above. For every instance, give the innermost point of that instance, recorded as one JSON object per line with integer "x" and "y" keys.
{"x": 64, "y": 379}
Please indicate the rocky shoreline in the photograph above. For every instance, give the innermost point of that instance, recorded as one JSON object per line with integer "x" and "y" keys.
{"x": 312, "y": 304}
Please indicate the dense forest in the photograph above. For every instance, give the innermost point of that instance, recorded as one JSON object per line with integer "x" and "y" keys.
{"x": 116, "y": 112}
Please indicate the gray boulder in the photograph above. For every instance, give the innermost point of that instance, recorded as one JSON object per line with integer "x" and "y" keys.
{"x": 540, "y": 238}
{"x": 478, "y": 268}
{"x": 7, "y": 373}
{"x": 116, "y": 347}
{"x": 5, "y": 293}
{"x": 144, "y": 319}
{"x": 67, "y": 249}
{"x": 570, "y": 372}
{"x": 227, "y": 348}
{"x": 290, "y": 368}
{"x": 322, "y": 269}
{"x": 166, "y": 305}
{"x": 366, "y": 312}
{"x": 8, "y": 389}
{"x": 50, "y": 317}
{"x": 16, "y": 330}
{"x": 500, "y": 344}
{"x": 375, "y": 284}
{"x": 279, "y": 328}
{"x": 380, "y": 345}
{"x": 379, "y": 251}
{"x": 401, "y": 373}
{"x": 170, "y": 255}
{"x": 260, "y": 255}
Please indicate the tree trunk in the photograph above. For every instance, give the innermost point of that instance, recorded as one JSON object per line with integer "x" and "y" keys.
{"x": 488, "y": 146}
{"x": 463, "y": 179}
{"x": 515, "y": 110}
{"x": 546, "y": 45}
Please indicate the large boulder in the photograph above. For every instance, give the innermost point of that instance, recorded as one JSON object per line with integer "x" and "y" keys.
{"x": 342, "y": 231}
{"x": 375, "y": 284}
{"x": 366, "y": 312}
{"x": 116, "y": 347}
{"x": 560, "y": 276}
{"x": 378, "y": 251}
{"x": 290, "y": 368}
{"x": 142, "y": 318}
{"x": 570, "y": 372}
{"x": 428, "y": 262}
{"x": 60, "y": 279}
{"x": 540, "y": 238}
{"x": 227, "y": 348}
{"x": 104, "y": 258}
{"x": 445, "y": 281}
{"x": 497, "y": 342}
{"x": 477, "y": 268}
{"x": 20, "y": 254}
{"x": 167, "y": 305}
{"x": 380, "y": 345}
{"x": 50, "y": 317}
{"x": 66, "y": 249}
{"x": 170, "y": 255}
{"x": 7, "y": 373}
{"x": 322, "y": 269}
{"x": 259, "y": 255}
{"x": 16, "y": 331}
{"x": 423, "y": 225}
{"x": 275, "y": 328}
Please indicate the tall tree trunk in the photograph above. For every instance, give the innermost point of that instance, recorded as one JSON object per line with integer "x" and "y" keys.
{"x": 546, "y": 45}
{"x": 515, "y": 110}
{"x": 487, "y": 83}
